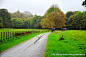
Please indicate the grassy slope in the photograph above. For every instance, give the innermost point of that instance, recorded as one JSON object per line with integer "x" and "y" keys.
{"x": 67, "y": 46}
{"x": 15, "y": 40}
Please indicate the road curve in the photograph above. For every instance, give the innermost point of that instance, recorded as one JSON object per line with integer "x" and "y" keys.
{"x": 34, "y": 47}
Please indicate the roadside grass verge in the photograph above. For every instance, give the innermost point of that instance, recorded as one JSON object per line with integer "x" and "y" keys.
{"x": 5, "y": 44}
{"x": 73, "y": 45}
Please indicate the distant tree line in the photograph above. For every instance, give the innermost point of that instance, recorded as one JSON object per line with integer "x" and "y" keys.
{"x": 53, "y": 17}
{"x": 76, "y": 20}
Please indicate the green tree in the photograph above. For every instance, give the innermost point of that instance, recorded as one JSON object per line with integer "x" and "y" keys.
{"x": 38, "y": 22}
{"x": 4, "y": 14}
{"x": 26, "y": 23}
{"x": 1, "y": 23}
{"x": 17, "y": 22}
{"x": 84, "y": 3}
{"x": 74, "y": 21}
{"x": 33, "y": 23}
{"x": 68, "y": 14}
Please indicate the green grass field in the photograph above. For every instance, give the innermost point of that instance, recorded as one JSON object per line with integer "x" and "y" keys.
{"x": 73, "y": 45}
{"x": 20, "y": 30}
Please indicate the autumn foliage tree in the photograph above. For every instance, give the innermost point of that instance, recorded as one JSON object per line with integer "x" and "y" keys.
{"x": 56, "y": 19}
{"x": 53, "y": 17}
{"x": 17, "y": 14}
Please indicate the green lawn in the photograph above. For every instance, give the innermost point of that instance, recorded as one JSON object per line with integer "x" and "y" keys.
{"x": 21, "y": 30}
{"x": 73, "y": 45}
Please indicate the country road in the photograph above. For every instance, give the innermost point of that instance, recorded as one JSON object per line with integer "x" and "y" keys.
{"x": 34, "y": 47}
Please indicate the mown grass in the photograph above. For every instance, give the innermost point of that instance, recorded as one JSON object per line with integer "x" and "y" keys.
{"x": 20, "y": 30}
{"x": 5, "y": 44}
{"x": 74, "y": 43}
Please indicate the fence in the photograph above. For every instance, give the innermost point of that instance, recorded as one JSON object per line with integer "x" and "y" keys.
{"x": 7, "y": 35}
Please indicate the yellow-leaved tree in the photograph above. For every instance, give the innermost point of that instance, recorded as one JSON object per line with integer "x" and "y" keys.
{"x": 53, "y": 17}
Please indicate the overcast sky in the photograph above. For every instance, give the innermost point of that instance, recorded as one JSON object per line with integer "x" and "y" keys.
{"x": 39, "y": 7}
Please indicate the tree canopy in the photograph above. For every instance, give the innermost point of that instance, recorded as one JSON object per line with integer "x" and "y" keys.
{"x": 6, "y": 17}
{"x": 53, "y": 17}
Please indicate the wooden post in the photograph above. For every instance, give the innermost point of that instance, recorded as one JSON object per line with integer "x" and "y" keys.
{"x": 1, "y": 37}
{"x": 13, "y": 33}
{"x": 10, "y": 34}
{"x": 6, "y": 35}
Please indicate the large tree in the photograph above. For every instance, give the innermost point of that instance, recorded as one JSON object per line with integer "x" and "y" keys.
{"x": 1, "y": 23}
{"x": 33, "y": 22}
{"x": 52, "y": 8}
{"x": 68, "y": 14}
{"x": 53, "y": 17}
{"x": 84, "y": 3}
{"x": 77, "y": 21}
{"x": 27, "y": 14}
{"x": 26, "y": 23}
{"x": 4, "y": 14}
{"x": 83, "y": 21}
{"x": 56, "y": 19}
{"x": 17, "y": 22}
{"x": 17, "y": 14}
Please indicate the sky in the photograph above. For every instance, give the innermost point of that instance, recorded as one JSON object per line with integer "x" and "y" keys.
{"x": 39, "y": 7}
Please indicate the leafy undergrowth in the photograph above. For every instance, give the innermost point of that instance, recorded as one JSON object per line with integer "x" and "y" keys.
{"x": 5, "y": 44}
{"x": 74, "y": 44}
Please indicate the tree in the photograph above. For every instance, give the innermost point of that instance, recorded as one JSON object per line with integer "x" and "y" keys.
{"x": 53, "y": 18}
{"x": 27, "y": 14}
{"x": 38, "y": 22}
{"x": 26, "y": 23}
{"x": 44, "y": 23}
{"x": 83, "y": 21}
{"x": 68, "y": 14}
{"x": 84, "y": 3}
{"x": 1, "y": 23}
{"x": 17, "y": 14}
{"x": 56, "y": 19}
{"x": 6, "y": 17}
{"x": 33, "y": 23}
{"x": 17, "y": 23}
{"x": 76, "y": 21}
{"x": 52, "y": 8}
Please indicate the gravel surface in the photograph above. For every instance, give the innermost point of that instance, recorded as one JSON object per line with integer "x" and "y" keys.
{"x": 34, "y": 47}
